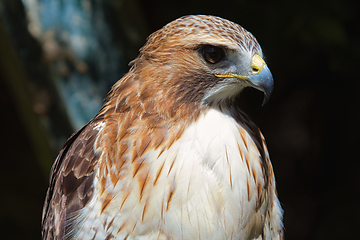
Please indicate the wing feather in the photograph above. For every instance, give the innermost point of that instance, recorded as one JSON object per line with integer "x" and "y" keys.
{"x": 71, "y": 181}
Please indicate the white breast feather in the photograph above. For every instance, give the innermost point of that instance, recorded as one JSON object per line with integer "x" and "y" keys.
{"x": 209, "y": 184}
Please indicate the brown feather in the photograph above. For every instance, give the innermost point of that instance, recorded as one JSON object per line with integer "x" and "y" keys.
{"x": 70, "y": 183}
{"x": 148, "y": 110}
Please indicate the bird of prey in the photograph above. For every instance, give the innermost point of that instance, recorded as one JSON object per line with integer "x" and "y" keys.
{"x": 170, "y": 155}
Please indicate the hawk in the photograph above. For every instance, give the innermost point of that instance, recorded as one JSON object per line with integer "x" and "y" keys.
{"x": 170, "y": 155}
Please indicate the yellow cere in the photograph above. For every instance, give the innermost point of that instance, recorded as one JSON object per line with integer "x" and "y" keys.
{"x": 257, "y": 64}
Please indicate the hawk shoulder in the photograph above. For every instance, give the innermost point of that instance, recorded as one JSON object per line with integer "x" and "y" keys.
{"x": 71, "y": 181}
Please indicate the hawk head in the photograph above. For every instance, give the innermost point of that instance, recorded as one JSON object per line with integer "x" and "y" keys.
{"x": 202, "y": 59}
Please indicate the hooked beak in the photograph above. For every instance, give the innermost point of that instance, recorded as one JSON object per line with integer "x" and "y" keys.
{"x": 260, "y": 78}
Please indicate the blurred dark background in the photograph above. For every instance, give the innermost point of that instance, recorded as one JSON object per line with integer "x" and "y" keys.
{"x": 59, "y": 58}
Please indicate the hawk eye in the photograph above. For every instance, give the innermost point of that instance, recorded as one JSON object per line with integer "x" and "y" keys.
{"x": 213, "y": 54}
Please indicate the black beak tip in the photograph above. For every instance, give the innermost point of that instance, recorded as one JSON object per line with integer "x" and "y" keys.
{"x": 266, "y": 98}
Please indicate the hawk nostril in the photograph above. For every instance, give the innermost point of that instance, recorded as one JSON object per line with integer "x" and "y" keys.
{"x": 255, "y": 69}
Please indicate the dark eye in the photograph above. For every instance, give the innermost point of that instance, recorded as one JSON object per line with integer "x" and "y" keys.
{"x": 213, "y": 54}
